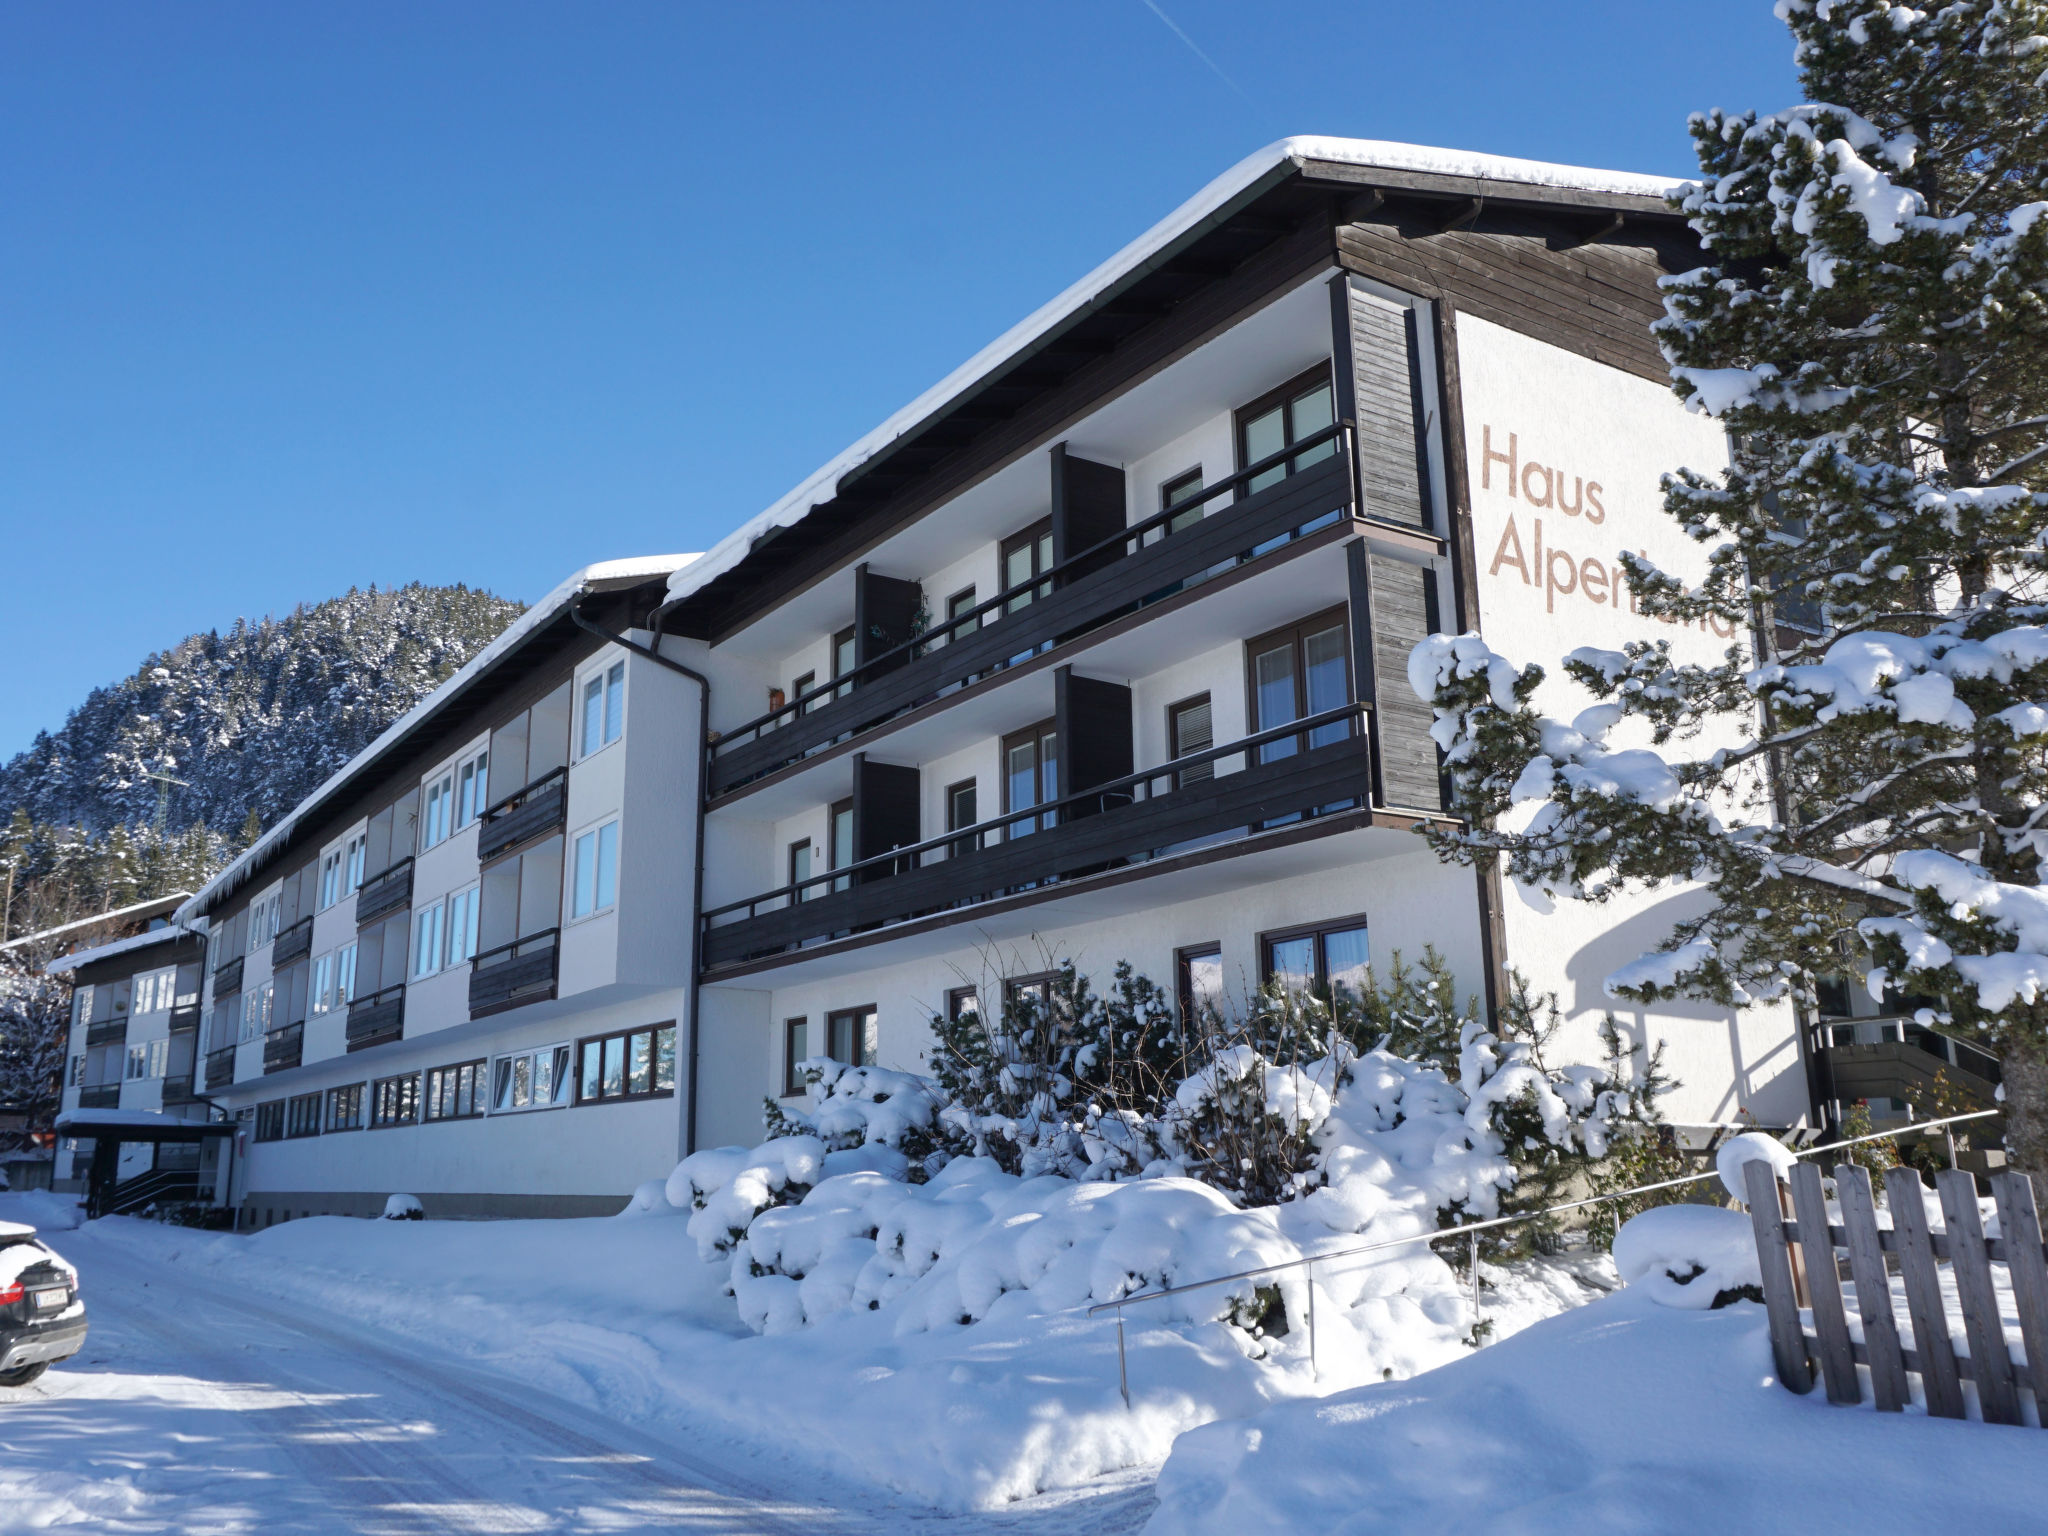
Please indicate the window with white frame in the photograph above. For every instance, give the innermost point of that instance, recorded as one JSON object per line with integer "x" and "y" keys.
{"x": 333, "y": 983}
{"x": 320, "y": 987}
{"x": 472, "y": 789}
{"x": 81, "y": 1005}
{"x": 535, "y": 1079}
{"x": 77, "y": 1076}
{"x": 263, "y": 917}
{"x": 428, "y": 933}
{"x": 345, "y": 975}
{"x": 604, "y": 708}
{"x": 330, "y": 878}
{"x": 256, "y": 1011}
{"x": 437, "y": 811}
{"x": 150, "y": 1059}
{"x": 594, "y": 872}
{"x": 353, "y": 858}
{"x": 462, "y": 924}
{"x": 155, "y": 991}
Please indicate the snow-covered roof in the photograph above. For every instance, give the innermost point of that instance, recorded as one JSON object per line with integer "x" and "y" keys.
{"x": 85, "y": 1120}
{"x": 64, "y": 965}
{"x": 610, "y": 573}
{"x": 1284, "y": 155}
{"x": 138, "y": 912}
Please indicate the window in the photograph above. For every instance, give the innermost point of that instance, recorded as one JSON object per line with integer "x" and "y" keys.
{"x": 394, "y": 1101}
{"x": 302, "y": 1115}
{"x": 963, "y": 1003}
{"x": 1273, "y": 422}
{"x": 840, "y": 846}
{"x": 1328, "y": 962}
{"x": 472, "y": 789}
{"x": 320, "y": 990}
{"x": 595, "y": 876}
{"x": 633, "y": 1064}
{"x": 852, "y": 1035}
{"x": 463, "y": 910}
{"x": 802, "y": 686}
{"x": 352, "y": 864}
{"x": 1026, "y": 555}
{"x": 76, "y": 1076}
{"x": 270, "y": 1121}
{"x": 457, "y": 1092}
{"x": 256, "y": 1011}
{"x": 843, "y": 653}
{"x": 155, "y": 991}
{"x": 1201, "y": 984}
{"x": 330, "y": 879}
{"x": 344, "y": 975}
{"x": 535, "y": 1079}
{"x": 345, "y": 1108}
{"x": 150, "y": 1059}
{"x": 1190, "y": 729}
{"x": 1176, "y": 491}
{"x": 796, "y": 1050}
{"x": 800, "y": 870}
{"x": 1031, "y": 773}
{"x": 960, "y": 602}
{"x": 604, "y": 708}
{"x": 1295, "y": 672}
{"x": 437, "y": 811}
{"x": 960, "y": 814}
{"x": 263, "y": 922}
{"x": 1033, "y": 992}
{"x": 427, "y": 934}
{"x": 81, "y": 1005}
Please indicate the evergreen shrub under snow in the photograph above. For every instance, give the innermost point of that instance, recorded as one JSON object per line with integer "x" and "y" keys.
{"x": 1078, "y": 1149}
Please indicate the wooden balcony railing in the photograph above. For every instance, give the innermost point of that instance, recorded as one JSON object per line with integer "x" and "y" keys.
{"x": 283, "y": 1048}
{"x": 107, "y": 1032}
{"x": 227, "y": 977}
{"x": 294, "y": 943}
{"x": 1093, "y": 586}
{"x": 1313, "y": 766}
{"x": 220, "y": 1067}
{"x": 184, "y": 1018}
{"x": 390, "y": 892}
{"x": 178, "y": 1089}
{"x": 377, "y": 1019}
{"x": 524, "y": 816}
{"x": 514, "y": 974}
{"x": 100, "y": 1096}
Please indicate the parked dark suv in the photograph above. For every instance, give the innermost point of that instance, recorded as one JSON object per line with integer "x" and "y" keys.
{"x": 41, "y": 1318}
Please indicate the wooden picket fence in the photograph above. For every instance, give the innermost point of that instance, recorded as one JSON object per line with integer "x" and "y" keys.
{"x": 1796, "y": 1248}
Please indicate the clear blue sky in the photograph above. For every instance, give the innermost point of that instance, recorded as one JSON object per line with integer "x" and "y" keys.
{"x": 294, "y": 297}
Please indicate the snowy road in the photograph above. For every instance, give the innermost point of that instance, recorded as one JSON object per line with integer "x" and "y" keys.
{"x": 197, "y": 1409}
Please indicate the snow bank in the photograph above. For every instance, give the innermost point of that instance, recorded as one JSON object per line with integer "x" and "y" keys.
{"x": 1687, "y": 1256}
{"x": 41, "y": 1209}
{"x": 1621, "y": 1416}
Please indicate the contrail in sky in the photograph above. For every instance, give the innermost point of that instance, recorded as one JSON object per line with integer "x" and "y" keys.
{"x": 1194, "y": 48}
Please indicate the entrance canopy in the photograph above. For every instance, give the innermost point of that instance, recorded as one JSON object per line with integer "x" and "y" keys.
{"x": 138, "y": 1125}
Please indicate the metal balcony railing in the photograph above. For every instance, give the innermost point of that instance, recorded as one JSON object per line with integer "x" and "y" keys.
{"x": 179, "y": 1089}
{"x": 284, "y": 1048}
{"x": 227, "y": 977}
{"x": 524, "y": 816}
{"x": 294, "y": 943}
{"x": 514, "y": 974}
{"x": 220, "y": 1067}
{"x": 107, "y": 1032}
{"x": 377, "y": 1019}
{"x": 1136, "y": 566}
{"x": 100, "y": 1096}
{"x": 390, "y": 892}
{"x": 184, "y": 1018}
{"x": 1293, "y": 772}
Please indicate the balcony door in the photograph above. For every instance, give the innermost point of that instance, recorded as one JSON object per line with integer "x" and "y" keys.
{"x": 1295, "y": 411}
{"x": 1297, "y": 672}
{"x": 1031, "y": 775}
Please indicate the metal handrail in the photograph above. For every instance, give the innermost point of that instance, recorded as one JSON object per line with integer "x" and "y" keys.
{"x": 1039, "y": 585}
{"x": 980, "y": 829}
{"x": 497, "y": 808}
{"x": 1469, "y": 1230}
{"x": 552, "y": 935}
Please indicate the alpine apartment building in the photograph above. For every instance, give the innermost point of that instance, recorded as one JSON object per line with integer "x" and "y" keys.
{"x": 1098, "y": 651}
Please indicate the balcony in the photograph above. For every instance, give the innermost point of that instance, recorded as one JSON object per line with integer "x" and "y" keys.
{"x": 514, "y": 974}
{"x": 526, "y": 816}
{"x": 227, "y": 977}
{"x": 1102, "y": 582}
{"x": 185, "y": 1018}
{"x": 377, "y": 1019}
{"x": 295, "y": 943}
{"x": 220, "y": 1067}
{"x": 100, "y": 1096}
{"x": 283, "y": 1048}
{"x": 107, "y": 1032}
{"x": 390, "y": 892}
{"x": 1899, "y": 1058}
{"x": 178, "y": 1089}
{"x": 1128, "y": 821}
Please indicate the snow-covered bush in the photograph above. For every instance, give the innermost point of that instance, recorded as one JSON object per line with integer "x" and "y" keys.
{"x": 404, "y": 1208}
{"x": 1695, "y": 1257}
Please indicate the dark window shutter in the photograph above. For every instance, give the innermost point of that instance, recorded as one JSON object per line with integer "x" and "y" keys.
{"x": 1093, "y": 719}
{"x": 885, "y": 811}
{"x": 1386, "y": 393}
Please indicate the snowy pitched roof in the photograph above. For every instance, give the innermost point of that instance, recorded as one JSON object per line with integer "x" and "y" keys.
{"x": 65, "y": 965}
{"x": 605, "y": 573}
{"x": 138, "y": 912}
{"x": 1404, "y": 164}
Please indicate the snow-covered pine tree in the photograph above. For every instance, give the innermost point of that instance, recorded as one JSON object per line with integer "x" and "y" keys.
{"x": 1870, "y": 331}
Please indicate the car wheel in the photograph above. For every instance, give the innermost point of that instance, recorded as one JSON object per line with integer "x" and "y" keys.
{"x": 24, "y": 1375}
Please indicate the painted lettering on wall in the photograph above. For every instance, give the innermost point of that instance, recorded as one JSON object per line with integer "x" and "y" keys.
{"x": 1556, "y": 570}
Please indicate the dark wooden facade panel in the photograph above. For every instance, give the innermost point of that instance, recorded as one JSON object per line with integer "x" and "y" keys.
{"x": 1094, "y": 721}
{"x": 1383, "y": 394}
{"x": 1598, "y": 301}
{"x": 1402, "y": 615}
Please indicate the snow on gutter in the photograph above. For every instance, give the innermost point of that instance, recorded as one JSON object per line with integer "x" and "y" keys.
{"x": 643, "y": 568}
{"x": 1209, "y": 205}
